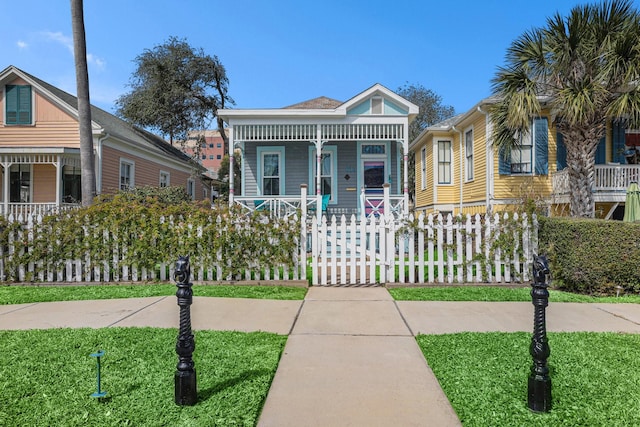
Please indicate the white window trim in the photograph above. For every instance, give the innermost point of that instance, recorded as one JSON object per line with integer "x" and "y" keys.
{"x": 436, "y": 158}
{"x": 532, "y": 143}
{"x": 168, "y": 175}
{"x": 466, "y": 156}
{"x": 261, "y": 151}
{"x": 191, "y": 188}
{"x": 423, "y": 168}
{"x": 333, "y": 151}
{"x": 132, "y": 178}
{"x": 381, "y": 105}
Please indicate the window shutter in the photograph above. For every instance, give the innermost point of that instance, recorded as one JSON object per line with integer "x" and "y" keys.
{"x": 601, "y": 151}
{"x": 24, "y": 105}
{"x": 618, "y": 141}
{"x": 541, "y": 142}
{"x": 561, "y": 152}
{"x": 11, "y": 100}
{"x": 504, "y": 162}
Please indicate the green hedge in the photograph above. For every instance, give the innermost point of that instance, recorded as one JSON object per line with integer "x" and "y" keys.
{"x": 592, "y": 256}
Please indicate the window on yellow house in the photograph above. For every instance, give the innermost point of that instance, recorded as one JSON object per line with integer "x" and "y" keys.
{"x": 423, "y": 167}
{"x": 468, "y": 153}
{"x": 444, "y": 162}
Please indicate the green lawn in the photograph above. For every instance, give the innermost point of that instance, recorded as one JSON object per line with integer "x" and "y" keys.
{"x": 496, "y": 293}
{"x": 595, "y": 378}
{"x": 47, "y": 377}
{"x": 29, "y": 294}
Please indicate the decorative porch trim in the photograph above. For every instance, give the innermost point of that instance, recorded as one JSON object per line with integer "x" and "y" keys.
{"x": 328, "y": 132}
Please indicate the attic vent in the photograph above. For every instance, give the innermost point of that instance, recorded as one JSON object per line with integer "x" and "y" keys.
{"x": 376, "y": 105}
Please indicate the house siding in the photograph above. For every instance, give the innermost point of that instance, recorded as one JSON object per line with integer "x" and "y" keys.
{"x": 44, "y": 183}
{"x": 146, "y": 172}
{"x": 51, "y": 126}
{"x": 297, "y": 170}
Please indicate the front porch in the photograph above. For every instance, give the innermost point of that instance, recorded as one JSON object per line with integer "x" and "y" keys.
{"x": 306, "y": 205}
{"x": 610, "y": 185}
{"x": 39, "y": 181}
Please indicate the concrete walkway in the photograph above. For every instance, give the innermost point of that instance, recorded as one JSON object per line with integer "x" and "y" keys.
{"x": 351, "y": 358}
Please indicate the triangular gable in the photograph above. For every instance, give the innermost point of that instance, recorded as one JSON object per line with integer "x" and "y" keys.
{"x": 393, "y": 104}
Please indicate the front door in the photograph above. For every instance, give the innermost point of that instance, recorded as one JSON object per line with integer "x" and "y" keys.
{"x": 373, "y": 173}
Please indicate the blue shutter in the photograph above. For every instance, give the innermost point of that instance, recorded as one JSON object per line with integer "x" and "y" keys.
{"x": 504, "y": 162}
{"x": 618, "y": 141}
{"x": 601, "y": 151}
{"x": 24, "y": 105}
{"x": 11, "y": 101}
{"x": 18, "y": 105}
{"x": 541, "y": 145}
{"x": 561, "y": 152}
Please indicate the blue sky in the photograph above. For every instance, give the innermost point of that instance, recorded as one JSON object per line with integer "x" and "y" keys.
{"x": 279, "y": 52}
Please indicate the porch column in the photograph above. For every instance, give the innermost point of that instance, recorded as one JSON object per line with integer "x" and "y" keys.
{"x": 5, "y": 187}
{"x": 405, "y": 178}
{"x": 58, "y": 165}
{"x": 231, "y": 166}
{"x": 319, "y": 144}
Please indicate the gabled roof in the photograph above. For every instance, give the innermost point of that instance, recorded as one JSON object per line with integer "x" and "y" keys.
{"x": 322, "y": 107}
{"x": 319, "y": 103}
{"x": 102, "y": 121}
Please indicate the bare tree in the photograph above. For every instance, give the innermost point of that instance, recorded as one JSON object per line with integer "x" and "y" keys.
{"x": 87, "y": 162}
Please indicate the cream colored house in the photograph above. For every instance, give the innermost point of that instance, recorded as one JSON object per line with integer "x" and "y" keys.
{"x": 459, "y": 171}
{"x": 40, "y": 150}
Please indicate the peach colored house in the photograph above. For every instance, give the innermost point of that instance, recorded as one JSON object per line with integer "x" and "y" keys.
{"x": 40, "y": 150}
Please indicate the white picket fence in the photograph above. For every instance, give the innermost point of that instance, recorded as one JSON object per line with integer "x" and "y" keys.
{"x": 430, "y": 250}
{"x": 335, "y": 251}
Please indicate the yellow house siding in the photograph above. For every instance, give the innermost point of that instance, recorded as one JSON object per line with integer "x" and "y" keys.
{"x": 516, "y": 187}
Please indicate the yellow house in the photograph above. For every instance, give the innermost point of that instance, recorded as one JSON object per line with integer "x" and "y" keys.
{"x": 459, "y": 171}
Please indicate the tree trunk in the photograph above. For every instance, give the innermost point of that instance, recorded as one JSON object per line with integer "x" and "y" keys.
{"x": 87, "y": 159}
{"x": 581, "y": 150}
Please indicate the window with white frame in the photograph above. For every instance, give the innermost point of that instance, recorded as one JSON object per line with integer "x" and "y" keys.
{"x": 165, "y": 179}
{"x": 444, "y": 162}
{"x": 328, "y": 166}
{"x": 271, "y": 171}
{"x": 468, "y": 154}
{"x": 522, "y": 155}
{"x": 191, "y": 188}
{"x": 127, "y": 174}
{"x": 423, "y": 168}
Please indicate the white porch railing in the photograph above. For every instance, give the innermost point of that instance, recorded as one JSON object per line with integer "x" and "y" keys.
{"x": 286, "y": 205}
{"x": 34, "y": 209}
{"x": 607, "y": 178}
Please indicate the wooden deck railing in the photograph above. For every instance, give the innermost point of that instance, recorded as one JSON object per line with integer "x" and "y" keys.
{"x": 608, "y": 178}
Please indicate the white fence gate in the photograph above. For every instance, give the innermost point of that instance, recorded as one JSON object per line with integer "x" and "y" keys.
{"x": 424, "y": 250}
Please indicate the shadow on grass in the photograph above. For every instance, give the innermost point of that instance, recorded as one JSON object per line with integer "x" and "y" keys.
{"x": 207, "y": 393}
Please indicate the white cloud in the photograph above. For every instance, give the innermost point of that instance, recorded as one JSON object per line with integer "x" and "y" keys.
{"x": 22, "y": 45}
{"x": 67, "y": 42}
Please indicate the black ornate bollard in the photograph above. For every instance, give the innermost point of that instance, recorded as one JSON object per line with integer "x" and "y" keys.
{"x": 186, "y": 392}
{"x": 539, "y": 392}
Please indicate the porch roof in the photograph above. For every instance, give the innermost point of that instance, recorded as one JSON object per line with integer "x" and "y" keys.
{"x": 328, "y": 108}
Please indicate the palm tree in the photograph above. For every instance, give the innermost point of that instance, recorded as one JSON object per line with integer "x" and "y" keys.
{"x": 88, "y": 179}
{"x": 585, "y": 69}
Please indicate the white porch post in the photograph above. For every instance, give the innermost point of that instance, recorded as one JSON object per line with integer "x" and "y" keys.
{"x": 5, "y": 187}
{"x": 405, "y": 178}
{"x": 231, "y": 166}
{"x": 318, "y": 171}
{"x": 58, "y": 165}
